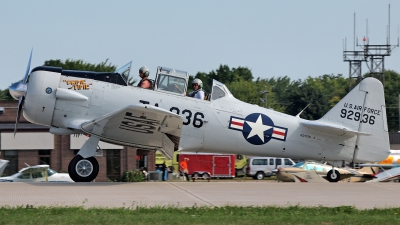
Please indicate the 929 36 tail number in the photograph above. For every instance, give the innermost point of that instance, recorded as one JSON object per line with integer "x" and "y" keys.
{"x": 357, "y": 116}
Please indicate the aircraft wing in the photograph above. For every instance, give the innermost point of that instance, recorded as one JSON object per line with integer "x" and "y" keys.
{"x": 308, "y": 176}
{"x": 378, "y": 165}
{"x": 140, "y": 126}
{"x": 386, "y": 175}
{"x": 331, "y": 128}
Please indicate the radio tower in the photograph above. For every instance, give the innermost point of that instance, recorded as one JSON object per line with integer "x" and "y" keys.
{"x": 373, "y": 55}
{"x": 355, "y": 59}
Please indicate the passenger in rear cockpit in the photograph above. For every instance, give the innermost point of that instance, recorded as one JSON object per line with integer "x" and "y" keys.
{"x": 197, "y": 92}
{"x": 144, "y": 73}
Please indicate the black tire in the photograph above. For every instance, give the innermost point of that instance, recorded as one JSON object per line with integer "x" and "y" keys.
{"x": 83, "y": 170}
{"x": 206, "y": 176}
{"x": 259, "y": 175}
{"x": 333, "y": 177}
{"x": 196, "y": 175}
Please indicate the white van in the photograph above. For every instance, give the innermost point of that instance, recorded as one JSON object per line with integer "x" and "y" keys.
{"x": 260, "y": 167}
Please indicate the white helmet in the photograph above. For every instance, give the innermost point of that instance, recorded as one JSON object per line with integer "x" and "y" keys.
{"x": 145, "y": 71}
{"x": 198, "y": 82}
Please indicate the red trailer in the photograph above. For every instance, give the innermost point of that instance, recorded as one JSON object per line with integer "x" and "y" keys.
{"x": 209, "y": 165}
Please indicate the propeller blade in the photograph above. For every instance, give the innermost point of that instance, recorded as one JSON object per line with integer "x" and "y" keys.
{"x": 20, "y": 103}
{"x": 28, "y": 68}
{"x": 18, "y": 90}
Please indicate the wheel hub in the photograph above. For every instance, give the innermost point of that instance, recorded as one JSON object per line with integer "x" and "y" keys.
{"x": 84, "y": 168}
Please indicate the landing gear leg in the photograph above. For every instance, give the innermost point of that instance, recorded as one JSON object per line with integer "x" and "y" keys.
{"x": 84, "y": 167}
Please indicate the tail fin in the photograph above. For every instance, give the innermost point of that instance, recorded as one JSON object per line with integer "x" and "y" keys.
{"x": 363, "y": 109}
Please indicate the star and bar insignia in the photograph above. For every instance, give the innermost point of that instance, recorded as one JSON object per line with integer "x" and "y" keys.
{"x": 258, "y": 128}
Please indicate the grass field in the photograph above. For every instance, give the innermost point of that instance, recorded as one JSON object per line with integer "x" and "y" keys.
{"x": 198, "y": 215}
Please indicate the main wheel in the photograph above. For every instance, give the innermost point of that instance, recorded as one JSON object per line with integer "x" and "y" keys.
{"x": 333, "y": 177}
{"x": 83, "y": 170}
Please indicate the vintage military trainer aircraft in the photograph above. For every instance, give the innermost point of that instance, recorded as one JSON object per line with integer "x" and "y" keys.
{"x": 104, "y": 107}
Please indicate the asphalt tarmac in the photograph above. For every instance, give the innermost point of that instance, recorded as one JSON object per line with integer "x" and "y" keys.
{"x": 200, "y": 193}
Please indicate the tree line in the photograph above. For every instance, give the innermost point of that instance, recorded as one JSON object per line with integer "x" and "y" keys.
{"x": 278, "y": 93}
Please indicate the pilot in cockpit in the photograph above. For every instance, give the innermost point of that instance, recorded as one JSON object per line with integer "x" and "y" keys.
{"x": 198, "y": 92}
{"x": 144, "y": 73}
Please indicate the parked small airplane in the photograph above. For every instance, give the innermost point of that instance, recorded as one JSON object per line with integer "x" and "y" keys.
{"x": 104, "y": 107}
{"x": 366, "y": 173}
{"x": 371, "y": 173}
{"x": 287, "y": 174}
{"x": 388, "y": 174}
{"x": 385, "y": 170}
{"x": 38, "y": 173}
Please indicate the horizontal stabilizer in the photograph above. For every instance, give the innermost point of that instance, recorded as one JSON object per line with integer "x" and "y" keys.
{"x": 330, "y": 128}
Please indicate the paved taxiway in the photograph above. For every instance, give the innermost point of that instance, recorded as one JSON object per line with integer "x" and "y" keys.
{"x": 182, "y": 194}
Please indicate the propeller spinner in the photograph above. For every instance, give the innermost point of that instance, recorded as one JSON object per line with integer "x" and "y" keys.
{"x": 18, "y": 91}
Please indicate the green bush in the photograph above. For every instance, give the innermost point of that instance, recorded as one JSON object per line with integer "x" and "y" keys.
{"x": 134, "y": 176}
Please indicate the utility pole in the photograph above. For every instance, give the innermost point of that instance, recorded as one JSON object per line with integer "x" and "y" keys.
{"x": 265, "y": 99}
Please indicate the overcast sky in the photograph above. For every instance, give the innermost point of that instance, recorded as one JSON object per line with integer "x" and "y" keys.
{"x": 272, "y": 38}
